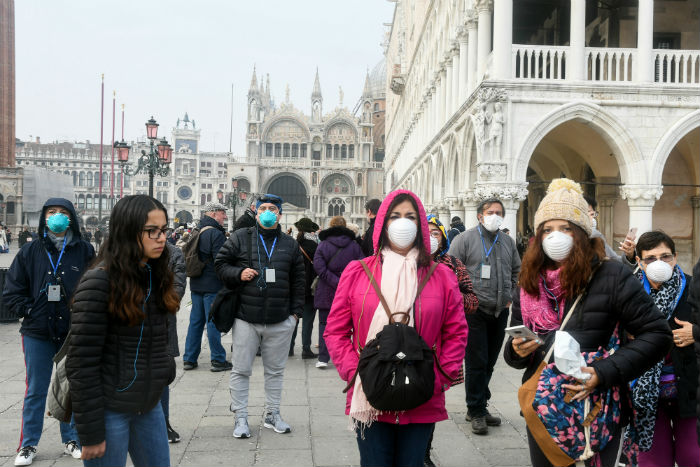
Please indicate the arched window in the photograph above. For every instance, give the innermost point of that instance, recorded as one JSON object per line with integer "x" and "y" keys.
{"x": 291, "y": 189}
{"x": 75, "y": 178}
{"x": 359, "y": 179}
{"x": 344, "y": 151}
{"x": 314, "y": 178}
{"x": 203, "y": 199}
{"x": 81, "y": 179}
{"x": 336, "y": 207}
{"x": 89, "y": 179}
{"x": 376, "y": 107}
{"x": 268, "y": 149}
{"x": 351, "y": 151}
{"x": 81, "y": 202}
{"x": 295, "y": 150}
{"x": 104, "y": 202}
{"x": 278, "y": 150}
{"x": 286, "y": 150}
{"x": 88, "y": 200}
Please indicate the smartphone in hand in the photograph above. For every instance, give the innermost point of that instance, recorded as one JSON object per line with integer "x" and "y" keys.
{"x": 521, "y": 331}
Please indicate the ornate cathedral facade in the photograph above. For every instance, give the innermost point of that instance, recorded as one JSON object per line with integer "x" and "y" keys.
{"x": 322, "y": 163}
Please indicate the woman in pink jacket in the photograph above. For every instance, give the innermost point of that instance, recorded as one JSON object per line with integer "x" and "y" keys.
{"x": 402, "y": 258}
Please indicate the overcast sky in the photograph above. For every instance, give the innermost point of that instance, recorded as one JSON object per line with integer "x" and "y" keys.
{"x": 168, "y": 57}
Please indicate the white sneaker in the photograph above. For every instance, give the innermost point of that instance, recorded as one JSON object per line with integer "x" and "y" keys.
{"x": 25, "y": 456}
{"x": 72, "y": 449}
{"x": 321, "y": 365}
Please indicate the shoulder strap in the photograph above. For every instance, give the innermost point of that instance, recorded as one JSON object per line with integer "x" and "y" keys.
{"x": 337, "y": 252}
{"x": 305, "y": 254}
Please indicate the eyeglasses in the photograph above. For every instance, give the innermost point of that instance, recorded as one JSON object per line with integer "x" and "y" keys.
{"x": 273, "y": 209}
{"x": 436, "y": 234}
{"x": 666, "y": 258}
{"x": 155, "y": 233}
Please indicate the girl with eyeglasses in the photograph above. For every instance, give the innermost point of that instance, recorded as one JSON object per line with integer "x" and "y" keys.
{"x": 665, "y": 397}
{"x": 118, "y": 361}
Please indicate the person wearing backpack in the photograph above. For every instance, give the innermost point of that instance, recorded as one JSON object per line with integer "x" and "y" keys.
{"x": 208, "y": 239}
{"x": 564, "y": 269}
{"x": 411, "y": 285}
{"x": 337, "y": 248}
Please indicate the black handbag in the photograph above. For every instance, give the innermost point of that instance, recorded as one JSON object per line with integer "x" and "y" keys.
{"x": 397, "y": 366}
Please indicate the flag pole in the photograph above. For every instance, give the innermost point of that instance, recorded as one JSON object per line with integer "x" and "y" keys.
{"x": 102, "y": 118}
{"x": 121, "y": 179}
{"x": 111, "y": 176}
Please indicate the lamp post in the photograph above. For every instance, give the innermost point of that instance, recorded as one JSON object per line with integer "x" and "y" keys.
{"x": 156, "y": 162}
{"x": 236, "y": 197}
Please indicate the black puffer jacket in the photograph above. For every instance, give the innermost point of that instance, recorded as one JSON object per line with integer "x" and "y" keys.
{"x": 265, "y": 303}
{"x": 694, "y": 301}
{"x": 309, "y": 247}
{"x": 101, "y": 354}
{"x": 613, "y": 295}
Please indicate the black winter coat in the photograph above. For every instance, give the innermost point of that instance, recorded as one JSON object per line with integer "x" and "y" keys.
{"x": 694, "y": 301}
{"x": 245, "y": 221}
{"x": 210, "y": 241}
{"x": 367, "y": 243}
{"x": 260, "y": 302}
{"x": 101, "y": 354}
{"x": 309, "y": 247}
{"x": 25, "y": 285}
{"x": 177, "y": 266}
{"x": 613, "y": 295}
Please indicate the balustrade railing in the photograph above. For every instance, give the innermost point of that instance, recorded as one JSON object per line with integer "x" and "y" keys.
{"x": 539, "y": 62}
{"x": 609, "y": 64}
{"x": 677, "y": 66}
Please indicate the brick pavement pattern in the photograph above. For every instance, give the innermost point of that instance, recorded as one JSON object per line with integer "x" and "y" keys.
{"x": 312, "y": 403}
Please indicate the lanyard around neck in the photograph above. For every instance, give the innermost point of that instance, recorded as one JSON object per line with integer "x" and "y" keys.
{"x": 60, "y": 255}
{"x": 272, "y": 250}
{"x": 483, "y": 243}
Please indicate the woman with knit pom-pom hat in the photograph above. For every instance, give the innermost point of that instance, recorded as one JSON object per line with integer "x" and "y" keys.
{"x": 562, "y": 263}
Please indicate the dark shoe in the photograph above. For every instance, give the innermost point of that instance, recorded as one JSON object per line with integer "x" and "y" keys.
{"x": 427, "y": 461}
{"x": 189, "y": 365}
{"x": 259, "y": 352}
{"x": 479, "y": 426}
{"x": 307, "y": 354}
{"x": 291, "y": 352}
{"x": 173, "y": 436}
{"x": 220, "y": 366}
{"x": 491, "y": 420}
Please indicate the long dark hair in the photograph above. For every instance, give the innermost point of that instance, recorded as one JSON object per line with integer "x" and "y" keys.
{"x": 577, "y": 266}
{"x": 423, "y": 253}
{"x": 122, "y": 254}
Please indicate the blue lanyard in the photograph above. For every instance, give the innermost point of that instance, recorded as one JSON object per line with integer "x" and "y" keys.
{"x": 483, "y": 243}
{"x": 272, "y": 250}
{"x": 58, "y": 263}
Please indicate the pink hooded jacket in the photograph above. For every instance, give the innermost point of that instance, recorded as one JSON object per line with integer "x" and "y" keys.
{"x": 440, "y": 322}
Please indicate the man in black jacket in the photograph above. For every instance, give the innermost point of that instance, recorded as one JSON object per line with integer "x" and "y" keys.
{"x": 203, "y": 290}
{"x": 247, "y": 219}
{"x": 371, "y": 209}
{"x": 38, "y": 288}
{"x": 267, "y": 268}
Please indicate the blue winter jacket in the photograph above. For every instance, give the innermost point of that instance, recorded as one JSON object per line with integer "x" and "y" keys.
{"x": 26, "y": 283}
{"x": 210, "y": 242}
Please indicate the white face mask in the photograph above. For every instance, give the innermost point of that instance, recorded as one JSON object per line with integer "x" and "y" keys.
{"x": 594, "y": 223}
{"x": 434, "y": 244}
{"x": 557, "y": 245}
{"x": 493, "y": 222}
{"x": 659, "y": 271}
{"x": 402, "y": 232}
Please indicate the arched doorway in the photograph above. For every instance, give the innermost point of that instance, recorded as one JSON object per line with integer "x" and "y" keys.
{"x": 183, "y": 217}
{"x": 291, "y": 189}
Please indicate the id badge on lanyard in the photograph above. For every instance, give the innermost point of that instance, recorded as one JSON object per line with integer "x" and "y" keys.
{"x": 485, "y": 271}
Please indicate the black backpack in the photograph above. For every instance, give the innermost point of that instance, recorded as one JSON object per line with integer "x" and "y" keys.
{"x": 397, "y": 366}
{"x": 225, "y": 305}
{"x": 193, "y": 265}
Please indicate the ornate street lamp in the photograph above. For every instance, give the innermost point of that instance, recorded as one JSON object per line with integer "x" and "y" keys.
{"x": 236, "y": 198}
{"x": 156, "y": 162}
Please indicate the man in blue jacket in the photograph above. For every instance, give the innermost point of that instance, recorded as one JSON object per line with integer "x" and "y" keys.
{"x": 38, "y": 288}
{"x": 203, "y": 290}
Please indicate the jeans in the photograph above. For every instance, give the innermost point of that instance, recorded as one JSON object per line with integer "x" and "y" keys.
{"x": 307, "y": 326}
{"x": 387, "y": 444}
{"x": 38, "y": 363}
{"x": 323, "y": 355}
{"x": 608, "y": 456}
{"x": 165, "y": 402}
{"x": 273, "y": 340}
{"x": 201, "y": 303}
{"x": 486, "y": 333}
{"x": 143, "y": 437}
{"x": 675, "y": 439}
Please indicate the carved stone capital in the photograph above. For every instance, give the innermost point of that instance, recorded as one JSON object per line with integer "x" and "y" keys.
{"x": 453, "y": 203}
{"x": 641, "y": 195}
{"x": 695, "y": 201}
{"x": 513, "y": 192}
{"x": 469, "y": 198}
{"x": 472, "y": 19}
{"x": 491, "y": 171}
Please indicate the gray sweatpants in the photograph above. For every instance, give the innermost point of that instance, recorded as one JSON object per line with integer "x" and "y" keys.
{"x": 273, "y": 340}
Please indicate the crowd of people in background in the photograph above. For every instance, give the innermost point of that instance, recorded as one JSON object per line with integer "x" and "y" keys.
{"x": 111, "y": 295}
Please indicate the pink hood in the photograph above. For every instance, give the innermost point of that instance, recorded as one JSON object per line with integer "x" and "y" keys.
{"x": 382, "y": 213}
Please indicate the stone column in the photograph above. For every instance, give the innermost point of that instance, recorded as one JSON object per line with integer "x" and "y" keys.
{"x": 470, "y": 203}
{"x": 443, "y": 96}
{"x": 644, "y": 71}
{"x": 472, "y": 54}
{"x": 484, "y": 44}
{"x": 463, "y": 83}
{"x": 503, "y": 38}
{"x": 641, "y": 200}
{"x": 454, "y": 204}
{"x": 448, "y": 87}
{"x": 575, "y": 61}
{"x": 456, "y": 77}
{"x": 443, "y": 214}
{"x": 695, "y": 200}
{"x": 606, "y": 218}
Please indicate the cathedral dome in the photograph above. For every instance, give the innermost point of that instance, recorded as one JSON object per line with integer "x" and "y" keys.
{"x": 377, "y": 80}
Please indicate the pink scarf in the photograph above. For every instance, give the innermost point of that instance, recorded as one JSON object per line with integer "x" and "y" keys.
{"x": 399, "y": 287}
{"x": 538, "y": 312}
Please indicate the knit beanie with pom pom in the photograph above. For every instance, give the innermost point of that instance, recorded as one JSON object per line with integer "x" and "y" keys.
{"x": 564, "y": 200}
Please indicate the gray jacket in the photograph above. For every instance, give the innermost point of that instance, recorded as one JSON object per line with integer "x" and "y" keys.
{"x": 177, "y": 265}
{"x": 496, "y": 293}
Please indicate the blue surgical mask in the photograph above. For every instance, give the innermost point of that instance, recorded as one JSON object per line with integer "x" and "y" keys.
{"x": 58, "y": 223}
{"x": 267, "y": 219}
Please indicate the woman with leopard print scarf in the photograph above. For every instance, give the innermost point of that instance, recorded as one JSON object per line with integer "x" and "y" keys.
{"x": 663, "y": 430}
